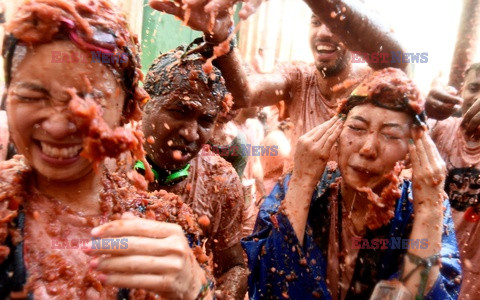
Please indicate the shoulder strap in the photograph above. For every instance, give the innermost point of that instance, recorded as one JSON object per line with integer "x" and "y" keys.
{"x": 13, "y": 272}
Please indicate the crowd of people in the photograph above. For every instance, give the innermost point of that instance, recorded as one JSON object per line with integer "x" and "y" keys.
{"x": 207, "y": 180}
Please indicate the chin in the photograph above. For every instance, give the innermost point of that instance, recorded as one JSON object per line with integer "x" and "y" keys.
{"x": 356, "y": 183}
{"x": 63, "y": 176}
{"x": 67, "y": 174}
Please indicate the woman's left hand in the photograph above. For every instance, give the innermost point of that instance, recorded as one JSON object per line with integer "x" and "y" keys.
{"x": 157, "y": 258}
{"x": 428, "y": 174}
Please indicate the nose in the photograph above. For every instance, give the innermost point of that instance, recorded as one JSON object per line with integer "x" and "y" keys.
{"x": 190, "y": 131}
{"x": 58, "y": 125}
{"x": 369, "y": 147}
{"x": 324, "y": 32}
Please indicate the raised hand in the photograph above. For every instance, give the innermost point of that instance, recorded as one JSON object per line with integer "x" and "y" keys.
{"x": 314, "y": 147}
{"x": 215, "y": 24}
{"x": 428, "y": 175}
{"x": 157, "y": 258}
{"x": 213, "y": 17}
{"x": 311, "y": 157}
{"x": 471, "y": 120}
{"x": 441, "y": 103}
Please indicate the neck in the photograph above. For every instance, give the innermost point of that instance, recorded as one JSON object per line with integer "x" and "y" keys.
{"x": 354, "y": 201}
{"x": 82, "y": 195}
{"x": 327, "y": 83}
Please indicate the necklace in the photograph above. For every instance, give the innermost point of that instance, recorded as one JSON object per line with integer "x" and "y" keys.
{"x": 351, "y": 206}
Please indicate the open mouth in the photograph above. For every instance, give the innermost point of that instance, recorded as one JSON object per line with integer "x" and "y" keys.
{"x": 181, "y": 153}
{"x": 364, "y": 172}
{"x": 326, "y": 48}
{"x": 63, "y": 152}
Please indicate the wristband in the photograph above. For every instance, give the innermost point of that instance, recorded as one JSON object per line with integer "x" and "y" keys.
{"x": 206, "y": 287}
{"x": 427, "y": 263}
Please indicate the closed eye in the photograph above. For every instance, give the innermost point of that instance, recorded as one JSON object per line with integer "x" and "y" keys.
{"x": 355, "y": 128}
{"x": 30, "y": 98}
{"x": 390, "y": 136}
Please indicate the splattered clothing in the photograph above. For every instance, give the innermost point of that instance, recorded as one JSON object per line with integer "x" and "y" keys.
{"x": 213, "y": 189}
{"x": 307, "y": 106}
{"x": 282, "y": 268}
{"x": 463, "y": 189}
{"x": 41, "y": 239}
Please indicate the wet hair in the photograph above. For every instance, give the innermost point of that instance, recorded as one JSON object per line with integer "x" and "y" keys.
{"x": 473, "y": 67}
{"x": 182, "y": 73}
{"x": 388, "y": 88}
{"x": 95, "y": 26}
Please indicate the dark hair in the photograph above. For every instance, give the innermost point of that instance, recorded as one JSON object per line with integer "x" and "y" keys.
{"x": 388, "y": 88}
{"x": 473, "y": 67}
{"x": 179, "y": 71}
{"x": 95, "y": 26}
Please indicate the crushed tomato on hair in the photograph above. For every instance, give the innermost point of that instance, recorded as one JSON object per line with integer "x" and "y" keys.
{"x": 93, "y": 26}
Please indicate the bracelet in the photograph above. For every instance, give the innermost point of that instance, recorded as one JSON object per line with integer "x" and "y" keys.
{"x": 206, "y": 287}
{"x": 427, "y": 263}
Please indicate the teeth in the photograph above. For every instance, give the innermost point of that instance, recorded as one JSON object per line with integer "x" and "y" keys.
{"x": 60, "y": 152}
{"x": 325, "y": 48}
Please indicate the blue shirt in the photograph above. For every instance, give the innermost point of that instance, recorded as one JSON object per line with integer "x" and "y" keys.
{"x": 281, "y": 268}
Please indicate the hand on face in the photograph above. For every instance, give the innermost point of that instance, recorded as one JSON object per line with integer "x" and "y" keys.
{"x": 314, "y": 147}
{"x": 428, "y": 174}
{"x": 158, "y": 258}
{"x": 441, "y": 103}
{"x": 374, "y": 139}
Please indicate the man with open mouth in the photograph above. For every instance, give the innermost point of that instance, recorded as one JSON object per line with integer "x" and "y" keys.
{"x": 311, "y": 91}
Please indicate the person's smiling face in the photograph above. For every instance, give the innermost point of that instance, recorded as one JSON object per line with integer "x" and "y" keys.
{"x": 373, "y": 140}
{"x": 330, "y": 54}
{"x": 41, "y": 125}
